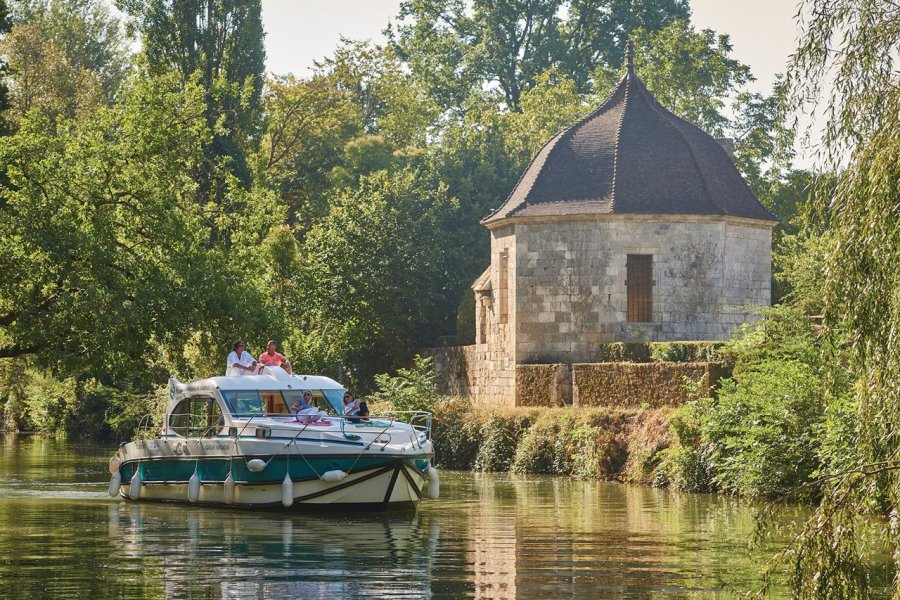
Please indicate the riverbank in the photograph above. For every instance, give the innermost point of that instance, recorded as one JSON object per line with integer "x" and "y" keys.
{"x": 594, "y": 443}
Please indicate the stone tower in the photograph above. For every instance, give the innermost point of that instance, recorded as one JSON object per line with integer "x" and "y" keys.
{"x": 630, "y": 225}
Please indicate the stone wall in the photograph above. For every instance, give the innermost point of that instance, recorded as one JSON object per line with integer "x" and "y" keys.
{"x": 631, "y": 385}
{"x": 570, "y": 293}
{"x": 471, "y": 371}
{"x": 543, "y": 385}
{"x": 463, "y": 371}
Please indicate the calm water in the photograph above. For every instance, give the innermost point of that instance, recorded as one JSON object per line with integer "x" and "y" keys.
{"x": 489, "y": 536}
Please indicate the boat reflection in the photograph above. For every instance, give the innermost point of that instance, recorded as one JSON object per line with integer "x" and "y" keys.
{"x": 231, "y": 553}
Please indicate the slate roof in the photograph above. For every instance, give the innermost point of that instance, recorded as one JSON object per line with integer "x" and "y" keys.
{"x": 631, "y": 156}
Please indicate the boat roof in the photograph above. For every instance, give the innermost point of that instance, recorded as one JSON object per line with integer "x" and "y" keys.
{"x": 270, "y": 380}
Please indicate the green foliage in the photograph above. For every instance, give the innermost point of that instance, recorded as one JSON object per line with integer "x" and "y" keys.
{"x": 762, "y": 434}
{"x": 456, "y": 48}
{"x": 845, "y": 69}
{"x": 219, "y": 45}
{"x": 377, "y": 267}
{"x": 623, "y": 352}
{"x": 500, "y": 436}
{"x": 88, "y": 35}
{"x": 411, "y": 388}
{"x": 456, "y": 433}
{"x": 684, "y": 351}
{"x": 98, "y": 282}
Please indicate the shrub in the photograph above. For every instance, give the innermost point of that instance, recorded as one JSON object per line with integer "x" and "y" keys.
{"x": 500, "y": 436}
{"x": 624, "y": 352}
{"x": 587, "y": 444}
{"x": 648, "y": 441}
{"x": 686, "y": 464}
{"x": 684, "y": 351}
{"x": 409, "y": 389}
{"x": 456, "y": 433}
{"x": 762, "y": 435}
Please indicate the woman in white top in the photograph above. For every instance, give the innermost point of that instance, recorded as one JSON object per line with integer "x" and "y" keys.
{"x": 239, "y": 362}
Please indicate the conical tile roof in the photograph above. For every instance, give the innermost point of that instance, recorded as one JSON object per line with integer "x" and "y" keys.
{"x": 631, "y": 156}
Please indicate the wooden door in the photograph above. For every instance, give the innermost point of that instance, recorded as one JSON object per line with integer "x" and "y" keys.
{"x": 639, "y": 287}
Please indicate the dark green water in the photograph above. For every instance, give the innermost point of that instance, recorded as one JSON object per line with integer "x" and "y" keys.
{"x": 489, "y": 536}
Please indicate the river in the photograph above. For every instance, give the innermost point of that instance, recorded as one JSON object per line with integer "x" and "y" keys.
{"x": 488, "y": 536}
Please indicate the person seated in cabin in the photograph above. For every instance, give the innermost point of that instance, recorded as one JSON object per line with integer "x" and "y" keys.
{"x": 304, "y": 410}
{"x": 239, "y": 362}
{"x": 355, "y": 410}
{"x": 271, "y": 357}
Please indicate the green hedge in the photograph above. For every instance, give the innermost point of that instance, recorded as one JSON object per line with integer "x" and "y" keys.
{"x": 624, "y": 352}
{"x": 642, "y": 352}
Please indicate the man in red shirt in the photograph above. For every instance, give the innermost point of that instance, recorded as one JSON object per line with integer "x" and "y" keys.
{"x": 271, "y": 357}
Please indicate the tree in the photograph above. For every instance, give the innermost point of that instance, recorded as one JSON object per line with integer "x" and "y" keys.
{"x": 41, "y": 78}
{"x": 86, "y": 33}
{"x": 5, "y": 26}
{"x": 458, "y": 49}
{"x": 691, "y": 73}
{"x": 308, "y": 122}
{"x": 100, "y": 233}
{"x": 221, "y": 41}
{"x": 382, "y": 270}
{"x": 845, "y": 68}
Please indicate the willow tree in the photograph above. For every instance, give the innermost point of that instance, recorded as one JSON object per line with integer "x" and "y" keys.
{"x": 846, "y": 68}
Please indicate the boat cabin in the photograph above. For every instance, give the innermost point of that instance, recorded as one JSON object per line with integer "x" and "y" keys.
{"x": 208, "y": 407}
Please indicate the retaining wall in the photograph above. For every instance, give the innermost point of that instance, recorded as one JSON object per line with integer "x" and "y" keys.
{"x": 463, "y": 371}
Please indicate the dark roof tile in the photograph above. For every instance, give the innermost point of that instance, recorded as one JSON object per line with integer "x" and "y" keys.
{"x": 631, "y": 156}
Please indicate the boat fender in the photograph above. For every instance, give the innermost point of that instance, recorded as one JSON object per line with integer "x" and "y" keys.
{"x": 135, "y": 491}
{"x": 287, "y": 491}
{"x": 114, "y": 463}
{"x": 194, "y": 487}
{"x": 228, "y": 489}
{"x": 434, "y": 483}
{"x": 333, "y": 476}
{"x": 114, "y": 484}
{"x": 256, "y": 465}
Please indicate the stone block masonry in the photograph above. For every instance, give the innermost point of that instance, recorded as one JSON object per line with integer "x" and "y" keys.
{"x": 464, "y": 371}
{"x": 632, "y": 385}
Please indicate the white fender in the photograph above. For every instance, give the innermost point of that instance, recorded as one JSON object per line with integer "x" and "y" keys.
{"x": 434, "y": 483}
{"x": 228, "y": 489}
{"x": 256, "y": 465}
{"x": 114, "y": 484}
{"x": 287, "y": 490}
{"x": 333, "y": 476}
{"x": 194, "y": 487}
{"x": 135, "y": 491}
{"x": 114, "y": 463}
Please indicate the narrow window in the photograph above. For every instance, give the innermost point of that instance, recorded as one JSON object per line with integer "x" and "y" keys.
{"x": 482, "y": 320}
{"x": 638, "y": 284}
{"x": 504, "y": 286}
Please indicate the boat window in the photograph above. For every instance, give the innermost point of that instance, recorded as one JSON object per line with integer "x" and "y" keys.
{"x": 318, "y": 400}
{"x": 197, "y": 416}
{"x": 244, "y": 402}
{"x": 336, "y": 400}
{"x": 274, "y": 403}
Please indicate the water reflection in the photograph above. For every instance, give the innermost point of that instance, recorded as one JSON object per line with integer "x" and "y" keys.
{"x": 490, "y": 536}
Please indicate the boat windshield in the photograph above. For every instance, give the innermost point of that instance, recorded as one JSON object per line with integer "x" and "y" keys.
{"x": 280, "y": 402}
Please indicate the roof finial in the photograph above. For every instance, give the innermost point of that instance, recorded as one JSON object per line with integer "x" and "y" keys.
{"x": 630, "y": 55}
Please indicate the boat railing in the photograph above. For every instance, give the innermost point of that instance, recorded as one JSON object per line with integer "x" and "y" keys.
{"x": 150, "y": 424}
